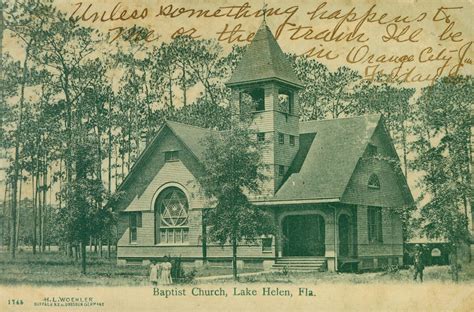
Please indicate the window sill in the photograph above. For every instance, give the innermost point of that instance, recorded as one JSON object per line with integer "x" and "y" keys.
{"x": 173, "y": 244}
{"x": 375, "y": 243}
{"x": 267, "y": 251}
{"x": 274, "y": 110}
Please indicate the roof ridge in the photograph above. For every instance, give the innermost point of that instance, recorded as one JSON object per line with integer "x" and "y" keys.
{"x": 264, "y": 59}
{"x": 348, "y": 117}
{"x": 191, "y": 126}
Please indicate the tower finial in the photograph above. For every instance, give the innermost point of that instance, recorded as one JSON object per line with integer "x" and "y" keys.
{"x": 264, "y": 10}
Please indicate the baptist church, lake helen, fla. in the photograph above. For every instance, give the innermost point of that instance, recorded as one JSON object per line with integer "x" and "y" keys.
{"x": 334, "y": 185}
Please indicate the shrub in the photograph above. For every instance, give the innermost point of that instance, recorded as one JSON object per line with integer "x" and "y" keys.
{"x": 391, "y": 269}
{"x": 189, "y": 276}
{"x": 177, "y": 271}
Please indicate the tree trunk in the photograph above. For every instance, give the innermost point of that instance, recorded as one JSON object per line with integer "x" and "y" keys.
{"x": 234, "y": 257}
{"x": 2, "y": 27}
{"x": 183, "y": 85}
{"x": 99, "y": 174}
{"x": 7, "y": 215}
{"x": 405, "y": 150}
{"x": 109, "y": 151}
{"x": 204, "y": 237}
{"x": 5, "y": 219}
{"x": 123, "y": 167}
{"x": 170, "y": 87}
{"x": 454, "y": 264}
{"x": 43, "y": 222}
{"x": 83, "y": 255}
{"x": 18, "y": 209}
{"x": 40, "y": 212}
{"x": 16, "y": 163}
{"x": 116, "y": 167}
{"x": 60, "y": 181}
{"x": 33, "y": 195}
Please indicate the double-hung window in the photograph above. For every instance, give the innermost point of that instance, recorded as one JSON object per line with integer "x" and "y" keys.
{"x": 374, "y": 218}
{"x": 134, "y": 222}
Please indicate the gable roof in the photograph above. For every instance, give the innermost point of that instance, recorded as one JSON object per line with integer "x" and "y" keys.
{"x": 324, "y": 165}
{"x": 264, "y": 60}
{"x": 191, "y": 136}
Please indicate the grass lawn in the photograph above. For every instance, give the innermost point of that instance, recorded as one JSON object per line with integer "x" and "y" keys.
{"x": 431, "y": 274}
{"x": 55, "y": 269}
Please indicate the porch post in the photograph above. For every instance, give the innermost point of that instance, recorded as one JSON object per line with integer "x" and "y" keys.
{"x": 279, "y": 237}
{"x": 331, "y": 238}
{"x": 204, "y": 235}
{"x": 335, "y": 239}
{"x": 279, "y": 245}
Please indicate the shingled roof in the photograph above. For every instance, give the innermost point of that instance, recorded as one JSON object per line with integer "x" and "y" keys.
{"x": 329, "y": 152}
{"x": 321, "y": 170}
{"x": 191, "y": 136}
{"x": 264, "y": 60}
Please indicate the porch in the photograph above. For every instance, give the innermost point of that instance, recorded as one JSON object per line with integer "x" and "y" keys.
{"x": 316, "y": 236}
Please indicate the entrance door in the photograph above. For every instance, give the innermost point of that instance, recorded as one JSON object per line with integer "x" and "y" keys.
{"x": 344, "y": 235}
{"x": 303, "y": 235}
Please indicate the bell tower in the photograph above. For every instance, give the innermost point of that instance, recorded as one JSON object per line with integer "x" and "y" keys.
{"x": 265, "y": 79}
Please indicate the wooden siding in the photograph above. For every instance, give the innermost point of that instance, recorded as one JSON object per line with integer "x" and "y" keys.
{"x": 192, "y": 251}
{"x": 392, "y": 240}
{"x": 146, "y": 233}
{"x": 389, "y": 194}
{"x": 141, "y": 191}
{"x": 183, "y": 172}
{"x": 172, "y": 172}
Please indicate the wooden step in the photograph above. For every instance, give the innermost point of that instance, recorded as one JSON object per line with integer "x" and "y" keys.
{"x": 300, "y": 264}
{"x": 299, "y": 261}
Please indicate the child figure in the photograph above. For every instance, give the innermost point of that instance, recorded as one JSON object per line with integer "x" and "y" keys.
{"x": 154, "y": 273}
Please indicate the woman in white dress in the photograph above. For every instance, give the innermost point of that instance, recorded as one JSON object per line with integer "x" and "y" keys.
{"x": 154, "y": 273}
{"x": 166, "y": 272}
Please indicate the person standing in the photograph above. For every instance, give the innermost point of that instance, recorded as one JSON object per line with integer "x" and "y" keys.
{"x": 418, "y": 263}
{"x": 165, "y": 278}
{"x": 154, "y": 273}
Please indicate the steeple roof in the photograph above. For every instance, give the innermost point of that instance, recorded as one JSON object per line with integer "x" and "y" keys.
{"x": 264, "y": 60}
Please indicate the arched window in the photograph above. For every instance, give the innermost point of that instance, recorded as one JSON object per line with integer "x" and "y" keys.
{"x": 171, "y": 217}
{"x": 374, "y": 182}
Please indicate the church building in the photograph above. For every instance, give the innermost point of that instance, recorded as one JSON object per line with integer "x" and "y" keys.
{"x": 333, "y": 188}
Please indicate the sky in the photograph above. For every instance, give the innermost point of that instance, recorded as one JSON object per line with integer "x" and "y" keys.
{"x": 413, "y": 41}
